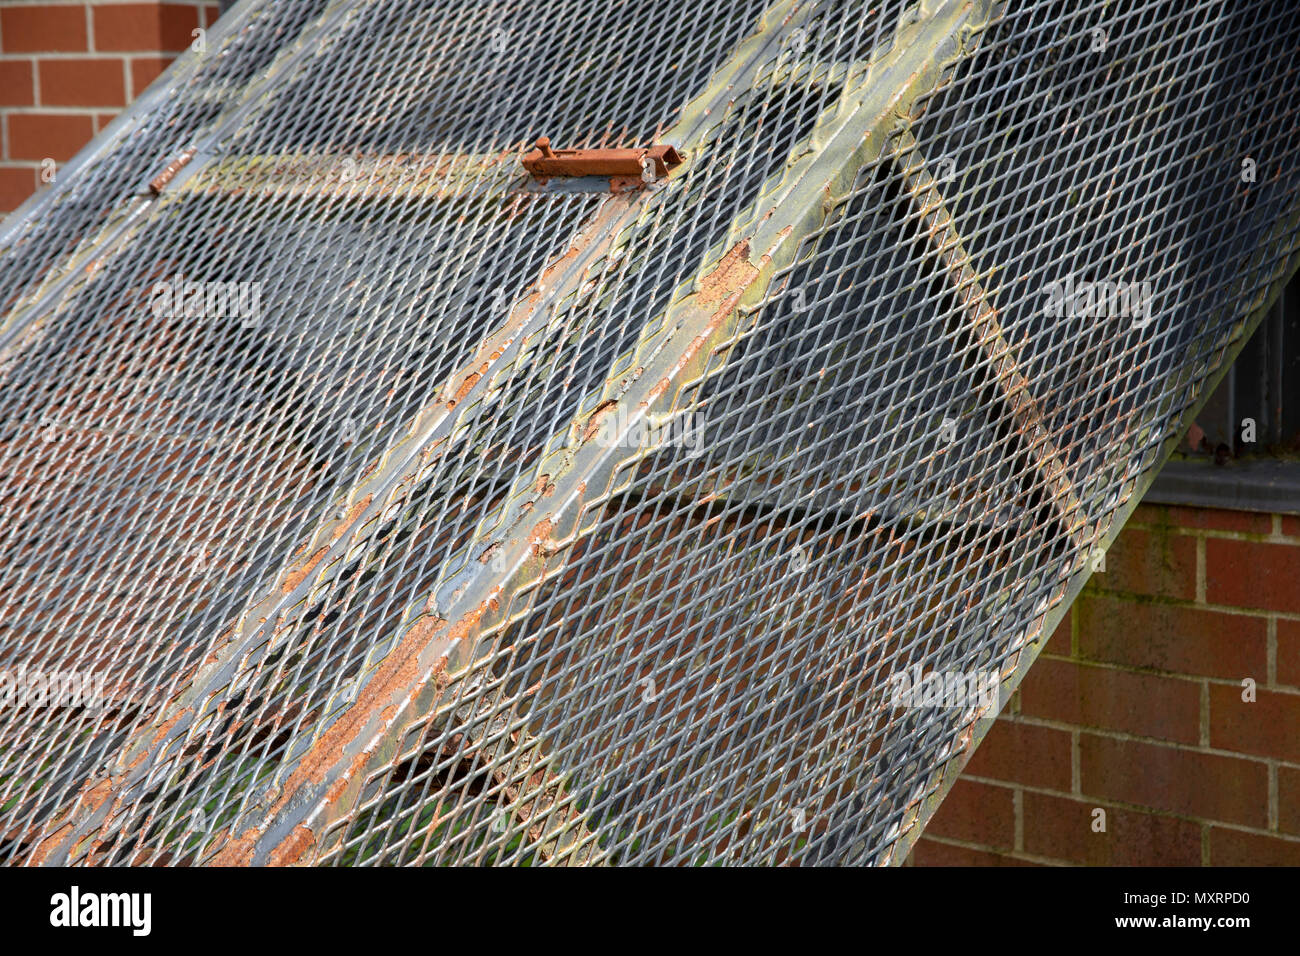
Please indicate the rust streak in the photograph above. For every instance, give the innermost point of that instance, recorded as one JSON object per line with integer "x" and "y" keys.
{"x": 159, "y": 182}
{"x": 294, "y": 578}
{"x": 397, "y": 681}
{"x": 596, "y": 420}
{"x": 732, "y": 275}
{"x": 398, "y": 671}
{"x": 469, "y": 382}
{"x": 539, "y": 535}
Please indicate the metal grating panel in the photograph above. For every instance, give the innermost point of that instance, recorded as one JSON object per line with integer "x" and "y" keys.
{"x": 466, "y": 519}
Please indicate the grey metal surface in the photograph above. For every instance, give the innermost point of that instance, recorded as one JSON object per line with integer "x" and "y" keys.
{"x": 548, "y": 525}
{"x": 1255, "y": 412}
{"x": 1252, "y": 484}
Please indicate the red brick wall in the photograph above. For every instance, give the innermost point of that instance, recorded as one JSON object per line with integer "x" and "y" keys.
{"x": 1135, "y": 706}
{"x": 67, "y": 67}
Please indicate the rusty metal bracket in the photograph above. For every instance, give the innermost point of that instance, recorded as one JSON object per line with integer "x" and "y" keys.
{"x": 644, "y": 165}
{"x": 159, "y": 182}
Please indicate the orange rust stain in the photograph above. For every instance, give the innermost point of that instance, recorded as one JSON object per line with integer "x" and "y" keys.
{"x": 722, "y": 287}
{"x": 471, "y": 380}
{"x": 342, "y": 525}
{"x": 237, "y": 851}
{"x": 462, "y": 628}
{"x": 399, "y": 673}
{"x": 732, "y": 275}
{"x": 158, "y": 737}
{"x": 597, "y": 417}
{"x": 221, "y": 642}
{"x": 92, "y": 798}
{"x": 294, "y": 846}
{"x": 541, "y": 531}
{"x": 295, "y": 578}
{"x": 539, "y": 537}
{"x": 321, "y": 756}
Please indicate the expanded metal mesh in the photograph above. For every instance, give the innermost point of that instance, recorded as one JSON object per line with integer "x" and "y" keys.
{"x": 490, "y": 521}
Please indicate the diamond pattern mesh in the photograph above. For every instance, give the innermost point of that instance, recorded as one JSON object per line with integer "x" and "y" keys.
{"x": 538, "y": 523}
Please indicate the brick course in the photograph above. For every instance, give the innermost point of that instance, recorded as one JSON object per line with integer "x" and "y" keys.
{"x": 145, "y": 27}
{"x": 1062, "y": 828}
{"x": 58, "y": 136}
{"x": 68, "y": 66}
{"x": 44, "y": 28}
{"x": 83, "y": 81}
{"x": 1135, "y": 707}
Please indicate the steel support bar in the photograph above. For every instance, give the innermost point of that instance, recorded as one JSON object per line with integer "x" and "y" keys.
{"x": 982, "y": 322}
{"x": 1286, "y": 232}
{"x": 329, "y": 176}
